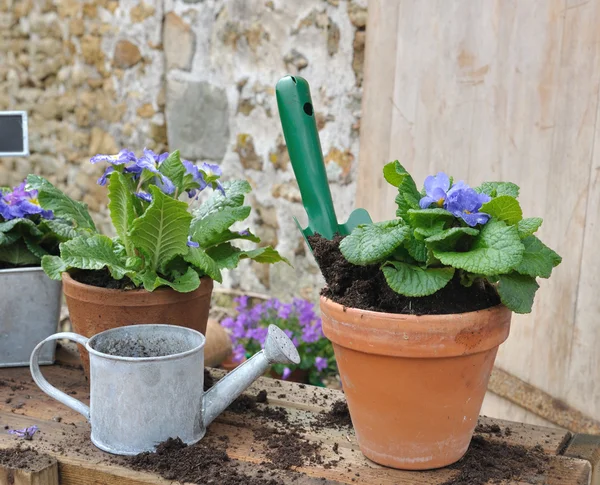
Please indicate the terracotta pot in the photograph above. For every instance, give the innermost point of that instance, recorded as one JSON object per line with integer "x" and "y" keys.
{"x": 93, "y": 310}
{"x": 414, "y": 384}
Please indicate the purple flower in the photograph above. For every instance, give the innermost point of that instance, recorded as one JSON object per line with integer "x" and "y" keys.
{"x": 465, "y": 203}
{"x": 321, "y": 363}
{"x": 286, "y": 373}
{"x": 26, "y": 434}
{"x": 284, "y": 311}
{"x": 22, "y": 203}
{"x": 238, "y": 353}
{"x": 244, "y": 233}
{"x": 242, "y": 302}
{"x": 197, "y": 176}
{"x": 211, "y": 170}
{"x": 121, "y": 158}
{"x": 436, "y": 188}
{"x": 192, "y": 244}
{"x": 144, "y": 196}
{"x": 102, "y": 180}
{"x": 312, "y": 333}
{"x": 164, "y": 183}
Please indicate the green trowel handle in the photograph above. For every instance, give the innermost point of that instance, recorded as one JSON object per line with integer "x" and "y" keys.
{"x": 302, "y": 139}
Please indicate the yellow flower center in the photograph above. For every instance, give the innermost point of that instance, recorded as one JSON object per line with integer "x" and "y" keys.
{"x": 467, "y": 212}
{"x": 34, "y": 201}
{"x": 440, "y": 202}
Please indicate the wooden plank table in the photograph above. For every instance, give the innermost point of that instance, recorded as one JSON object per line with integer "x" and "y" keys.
{"x": 64, "y": 435}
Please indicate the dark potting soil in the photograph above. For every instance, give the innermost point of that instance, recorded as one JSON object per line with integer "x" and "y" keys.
{"x": 208, "y": 380}
{"x": 25, "y": 459}
{"x": 495, "y": 461}
{"x": 337, "y": 417}
{"x": 365, "y": 287}
{"x": 102, "y": 279}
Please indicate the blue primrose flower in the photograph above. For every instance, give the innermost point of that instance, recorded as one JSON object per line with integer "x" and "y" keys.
{"x": 465, "y": 203}
{"x": 321, "y": 363}
{"x": 192, "y": 244}
{"x": 436, "y": 188}
{"x": 145, "y": 196}
{"x": 286, "y": 373}
{"x": 22, "y": 203}
{"x": 197, "y": 176}
{"x": 26, "y": 433}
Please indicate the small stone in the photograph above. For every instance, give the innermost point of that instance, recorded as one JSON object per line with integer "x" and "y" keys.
{"x": 296, "y": 59}
{"x": 255, "y": 35}
{"x": 247, "y": 153}
{"x": 102, "y": 142}
{"x": 342, "y": 159}
{"x": 280, "y": 157}
{"x": 197, "y": 115}
{"x": 358, "y": 61}
{"x": 179, "y": 43}
{"x": 358, "y": 15}
{"x": 287, "y": 191}
{"x": 126, "y": 54}
{"x": 322, "y": 120}
{"x": 141, "y": 12}
{"x": 161, "y": 98}
{"x": 68, "y": 8}
{"x": 246, "y": 106}
{"x": 91, "y": 50}
{"x": 90, "y": 10}
{"x": 145, "y": 111}
{"x": 76, "y": 27}
{"x": 333, "y": 38}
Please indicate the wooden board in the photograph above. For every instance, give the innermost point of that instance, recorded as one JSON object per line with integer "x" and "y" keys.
{"x": 65, "y": 435}
{"x": 502, "y": 91}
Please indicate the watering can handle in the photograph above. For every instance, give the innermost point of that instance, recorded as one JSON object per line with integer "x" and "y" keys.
{"x": 302, "y": 139}
{"x": 48, "y": 388}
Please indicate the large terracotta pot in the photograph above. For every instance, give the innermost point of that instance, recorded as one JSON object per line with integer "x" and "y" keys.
{"x": 414, "y": 384}
{"x": 93, "y": 310}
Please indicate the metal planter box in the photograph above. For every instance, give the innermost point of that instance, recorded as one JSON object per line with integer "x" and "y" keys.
{"x": 29, "y": 312}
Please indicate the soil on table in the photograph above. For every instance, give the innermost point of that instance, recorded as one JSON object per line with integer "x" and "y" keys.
{"x": 25, "y": 459}
{"x": 365, "y": 287}
{"x": 102, "y": 279}
{"x": 489, "y": 461}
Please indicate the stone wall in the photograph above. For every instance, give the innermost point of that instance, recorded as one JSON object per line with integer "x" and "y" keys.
{"x": 197, "y": 75}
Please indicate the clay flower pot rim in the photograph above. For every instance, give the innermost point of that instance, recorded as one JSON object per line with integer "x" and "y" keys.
{"x": 178, "y": 355}
{"x": 136, "y": 297}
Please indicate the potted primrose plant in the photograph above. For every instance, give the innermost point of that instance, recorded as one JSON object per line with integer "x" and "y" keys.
{"x": 298, "y": 320}
{"x": 32, "y": 225}
{"x": 417, "y": 307}
{"x": 160, "y": 266}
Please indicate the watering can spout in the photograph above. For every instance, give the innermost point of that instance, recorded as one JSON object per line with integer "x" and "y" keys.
{"x": 278, "y": 349}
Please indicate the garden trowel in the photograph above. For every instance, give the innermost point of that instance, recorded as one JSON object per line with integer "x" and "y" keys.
{"x": 302, "y": 139}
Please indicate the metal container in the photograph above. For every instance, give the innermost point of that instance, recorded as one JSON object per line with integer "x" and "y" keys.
{"x": 152, "y": 389}
{"x": 29, "y": 312}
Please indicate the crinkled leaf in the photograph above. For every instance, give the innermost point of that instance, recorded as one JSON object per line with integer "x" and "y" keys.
{"x": 233, "y": 235}
{"x": 203, "y": 262}
{"x": 94, "y": 252}
{"x": 22, "y": 225}
{"x": 496, "y": 250}
{"x": 17, "y": 254}
{"x": 448, "y": 239}
{"x": 467, "y": 279}
{"x": 34, "y": 247}
{"x": 63, "y": 206}
{"x": 538, "y": 259}
{"x": 527, "y": 227}
{"x": 228, "y": 257}
{"x": 214, "y": 229}
{"x": 429, "y": 218}
{"x": 517, "y": 291}
{"x": 411, "y": 280}
{"x": 425, "y": 232}
{"x": 7, "y": 238}
{"x": 405, "y": 202}
{"x": 162, "y": 232}
{"x": 235, "y": 191}
{"x": 504, "y": 208}
{"x": 394, "y": 173}
{"x": 408, "y": 194}
{"x": 173, "y": 168}
{"x": 62, "y": 229}
{"x": 121, "y": 209}
{"x": 372, "y": 243}
{"x": 189, "y": 281}
{"x": 266, "y": 255}
{"x": 54, "y": 267}
{"x": 497, "y": 189}
{"x": 416, "y": 248}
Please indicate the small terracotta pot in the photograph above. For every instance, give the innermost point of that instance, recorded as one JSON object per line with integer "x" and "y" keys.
{"x": 414, "y": 384}
{"x": 93, "y": 310}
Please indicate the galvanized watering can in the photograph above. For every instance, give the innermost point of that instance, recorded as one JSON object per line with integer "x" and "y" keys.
{"x": 146, "y": 384}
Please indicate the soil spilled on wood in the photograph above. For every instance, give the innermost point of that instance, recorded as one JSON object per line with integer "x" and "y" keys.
{"x": 102, "y": 279}
{"x": 337, "y": 417}
{"x": 494, "y": 461}
{"x": 25, "y": 459}
{"x": 365, "y": 287}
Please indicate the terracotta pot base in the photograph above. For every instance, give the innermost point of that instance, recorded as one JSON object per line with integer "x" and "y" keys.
{"x": 93, "y": 310}
{"x": 414, "y": 385}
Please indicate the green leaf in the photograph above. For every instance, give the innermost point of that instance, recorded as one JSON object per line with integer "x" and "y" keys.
{"x": 416, "y": 248}
{"x": 504, "y": 208}
{"x": 405, "y": 202}
{"x": 185, "y": 283}
{"x": 538, "y": 259}
{"x": 202, "y": 261}
{"x": 62, "y": 229}
{"x": 373, "y": 243}
{"x": 161, "y": 232}
{"x": 209, "y": 231}
{"x": 121, "y": 209}
{"x": 448, "y": 239}
{"x": 394, "y": 173}
{"x": 24, "y": 226}
{"x": 34, "y": 247}
{"x": 429, "y": 218}
{"x": 174, "y": 169}
{"x": 54, "y": 267}
{"x": 423, "y": 233}
{"x": 496, "y": 250}
{"x": 94, "y": 252}
{"x": 17, "y": 254}
{"x": 411, "y": 280}
{"x": 63, "y": 206}
{"x": 266, "y": 255}
{"x": 517, "y": 291}
{"x": 527, "y": 227}
{"x": 9, "y": 238}
{"x": 408, "y": 194}
{"x": 235, "y": 191}
{"x": 228, "y": 257}
{"x": 497, "y": 189}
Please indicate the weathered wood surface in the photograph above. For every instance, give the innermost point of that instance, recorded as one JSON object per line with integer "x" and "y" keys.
{"x": 65, "y": 435}
{"x": 502, "y": 91}
{"x": 46, "y": 475}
